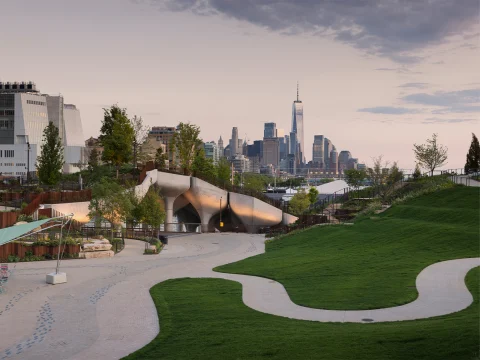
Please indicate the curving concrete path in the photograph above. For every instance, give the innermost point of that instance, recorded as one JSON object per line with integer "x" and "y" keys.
{"x": 105, "y": 311}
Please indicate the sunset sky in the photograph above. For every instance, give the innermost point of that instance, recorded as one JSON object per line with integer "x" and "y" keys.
{"x": 375, "y": 76}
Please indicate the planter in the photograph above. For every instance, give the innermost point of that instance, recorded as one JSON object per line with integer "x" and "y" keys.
{"x": 39, "y": 250}
{"x": 72, "y": 249}
{"x": 53, "y": 250}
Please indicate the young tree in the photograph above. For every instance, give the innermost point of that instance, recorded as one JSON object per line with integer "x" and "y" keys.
{"x": 431, "y": 155}
{"x": 184, "y": 144}
{"x": 117, "y": 146}
{"x": 160, "y": 158}
{"x": 140, "y": 133}
{"x": 224, "y": 170}
{"x": 93, "y": 159}
{"x": 473, "y": 156}
{"x": 109, "y": 201}
{"x": 354, "y": 178}
{"x": 50, "y": 162}
{"x": 417, "y": 174}
{"x": 152, "y": 209}
{"x": 299, "y": 202}
{"x": 203, "y": 166}
{"x": 312, "y": 195}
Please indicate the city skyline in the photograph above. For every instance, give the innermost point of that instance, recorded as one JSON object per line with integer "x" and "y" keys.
{"x": 378, "y": 92}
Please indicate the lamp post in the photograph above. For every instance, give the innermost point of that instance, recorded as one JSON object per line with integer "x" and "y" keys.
{"x": 221, "y": 223}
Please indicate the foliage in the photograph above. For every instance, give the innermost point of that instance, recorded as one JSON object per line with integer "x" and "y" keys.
{"x": 160, "y": 158}
{"x": 26, "y": 218}
{"x": 431, "y": 155}
{"x": 354, "y": 178}
{"x": 109, "y": 202}
{"x": 473, "y": 156}
{"x": 140, "y": 133}
{"x": 417, "y": 174}
{"x": 116, "y": 137}
{"x": 299, "y": 202}
{"x": 50, "y": 162}
{"x": 202, "y": 165}
{"x": 152, "y": 208}
{"x": 312, "y": 195}
{"x": 383, "y": 176}
{"x": 93, "y": 159}
{"x": 224, "y": 170}
{"x": 292, "y": 182}
{"x": 184, "y": 145}
{"x": 256, "y": 182}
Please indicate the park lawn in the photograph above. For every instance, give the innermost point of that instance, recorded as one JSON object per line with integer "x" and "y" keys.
{"x": 374, "y": 263}
{"x": 206, "y": 319}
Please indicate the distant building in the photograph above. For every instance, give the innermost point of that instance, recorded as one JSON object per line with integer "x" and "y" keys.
{"x": 24, "y": 114}
{"x": 226, "y": 152}
{"x": 158, "y": 136}
{"x": 343, "y": 159}
{"x": 267, "y": 169}
{"x": 287, "y": 145}
{"x": 234, "y": 142}
{"x": 90, "y": 144}
{"x": 297, "y": 128}
{"x": 271, "y": 152}
{"x": 270, "y": 130}
{"x": 317, "y": 152}
{"x": 361, "y": 167}
{"x": 241, "y": 164}
{"x": 212, "y": 151}
{"x": 327, "y": 149}
{"x": 333, "y": 168}
{"x": 220, "y": 147}
{"x": 352, "y": 163}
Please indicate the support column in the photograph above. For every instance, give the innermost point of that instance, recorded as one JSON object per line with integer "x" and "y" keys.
{"x": 169, "y": 200}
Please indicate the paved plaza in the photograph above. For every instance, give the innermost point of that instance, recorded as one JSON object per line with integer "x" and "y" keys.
{"x": 105, "y": 311}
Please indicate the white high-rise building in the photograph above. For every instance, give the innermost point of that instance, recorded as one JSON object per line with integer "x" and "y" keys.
{"x": 24, "y": 114}
{"x": 297, "y": 128}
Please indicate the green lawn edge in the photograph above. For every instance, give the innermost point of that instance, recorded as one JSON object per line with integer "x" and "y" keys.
{"x": 207, "y": 319}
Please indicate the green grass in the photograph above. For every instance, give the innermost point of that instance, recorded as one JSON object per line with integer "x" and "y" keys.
{"x": 206, "y": 319}
{"x": 374, "y": 263}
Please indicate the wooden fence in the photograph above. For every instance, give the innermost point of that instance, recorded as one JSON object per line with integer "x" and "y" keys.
{"x": 8, "y": 219}
{"x": 20, "y": 250}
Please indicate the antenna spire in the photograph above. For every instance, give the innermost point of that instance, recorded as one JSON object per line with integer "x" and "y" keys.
{"x": 297, "y": 91}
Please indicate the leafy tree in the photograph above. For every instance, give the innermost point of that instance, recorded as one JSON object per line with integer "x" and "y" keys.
{"x": 312, "y": 195}
{"x": 160, "y": 158}
{"x": 50, "y": 162}
{"x": 140, "y": 133}
{"x": 354, "y": 177}
{"x": 152, "y": 208}
{"x": 417, "y": 174}
{"x": 110, "y": 116}
{"x": 184, "y": 145}
{"x": 224, "y": 170}
{"x": 110, "y": 202}
{"x": 431, "y": 155}
{"x": 473, "y": 156}
{"x": 256, "y": 182}
{"x": 117, "y": 142}
{"x": 203, "y": 166}
{"x": 299, "y": 202}
{"x": 93, "y": 159}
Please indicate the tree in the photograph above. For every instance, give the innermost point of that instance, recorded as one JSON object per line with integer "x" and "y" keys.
{"x": 355, "y": 178}
{"x": 93, "y": 159}
{"x": 160, "y": 158}
{"x": 110, "y": 202}
{"x": 50, "y": 162}
{"x": 312, "y": 195}
{"x": 140, "y": 133}
{"x": 256, "y": 182}
{"x": 299, "y": 202}
{"x": 473, "y": 156}
{"x": 117, "y": 139}
{"x": 383, "y": 176}
{"x": 152, "y": 209}
{"x": 417, "y": 174}
{"x": 224, "y": 170}
{"x": 431, "y": 155}
{"x": 184, "y": 145}
{"x": 203, "y": 166}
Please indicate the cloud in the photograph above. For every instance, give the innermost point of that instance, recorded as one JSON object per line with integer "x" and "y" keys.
{"x": 459, "y": 109}
{"x": 435, "y": 120}
{"x": 390, "y": 110}
{"x": 390, "y": 28}
{"x": 415, "y": 85}
{"x": 445, "y": 98}
{"x": 438, "y": 62}
{"x": 399, "y": 70}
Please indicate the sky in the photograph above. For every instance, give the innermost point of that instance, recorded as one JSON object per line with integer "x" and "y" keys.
{"x": 375, "y": 77}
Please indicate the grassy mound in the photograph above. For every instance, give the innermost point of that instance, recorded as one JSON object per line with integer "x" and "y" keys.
{"x": 374, "y": 263}
{"x": 206, "y": 319}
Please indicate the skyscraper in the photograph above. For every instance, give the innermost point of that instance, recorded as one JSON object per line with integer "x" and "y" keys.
{"x": 271, "y": 152}
{"x": 343, "y": 159}
{"x": 270, "y": 130}
{"x": 334, "y": 161}
{"x": 327, "y": 148}
{"x": 220, "y": 147}
{"x": 234, "y": 142}
{"x": 297, "y": 127}
{"x": 317, "y": 152}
